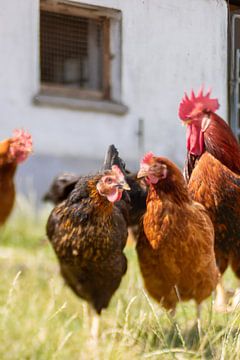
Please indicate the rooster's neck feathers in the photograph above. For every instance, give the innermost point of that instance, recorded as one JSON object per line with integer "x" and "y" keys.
{"x": 220, "y": 142}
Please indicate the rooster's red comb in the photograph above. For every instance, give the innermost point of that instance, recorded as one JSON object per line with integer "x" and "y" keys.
{"x": 147, "y": 158}
{"x": 195, "y": 104}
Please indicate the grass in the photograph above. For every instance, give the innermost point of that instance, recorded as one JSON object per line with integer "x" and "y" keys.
{"x": 40, "y": 318}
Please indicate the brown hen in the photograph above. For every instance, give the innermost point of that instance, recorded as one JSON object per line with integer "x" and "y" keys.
{"x": 12, "y": 152}
{"x": 175, "y": 248}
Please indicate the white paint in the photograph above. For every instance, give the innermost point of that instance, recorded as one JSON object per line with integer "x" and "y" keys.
{"x": 168, "y": 47}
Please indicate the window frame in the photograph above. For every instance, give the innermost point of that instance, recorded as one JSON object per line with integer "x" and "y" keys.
{"x": 111, "y": 93}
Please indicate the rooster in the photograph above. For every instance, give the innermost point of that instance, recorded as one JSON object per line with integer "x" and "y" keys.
{"x": 176, "y": 245}
{"x": 13, "y": 151}
{"x": 212, "y": 170}
{"x": 88, "y": 233}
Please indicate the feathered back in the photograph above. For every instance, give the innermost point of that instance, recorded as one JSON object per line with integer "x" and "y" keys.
{"x": 61, "y": 187}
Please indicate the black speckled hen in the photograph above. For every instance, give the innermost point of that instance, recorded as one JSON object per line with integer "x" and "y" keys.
{"x": 88, "y": 233}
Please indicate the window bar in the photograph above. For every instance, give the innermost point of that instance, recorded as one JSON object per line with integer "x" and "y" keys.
{"x": 106, "y": 58}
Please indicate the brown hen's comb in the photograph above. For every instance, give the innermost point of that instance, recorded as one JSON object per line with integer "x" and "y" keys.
{"x": 23, "y": 137}
{"x": 147, "y": 158}
{"x": 21, "y": 144}
{"x": 195, "y": 104}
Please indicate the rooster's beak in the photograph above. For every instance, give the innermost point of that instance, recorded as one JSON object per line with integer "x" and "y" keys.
{"x": 142, "y": 173}
{"x": 186, "y": 122}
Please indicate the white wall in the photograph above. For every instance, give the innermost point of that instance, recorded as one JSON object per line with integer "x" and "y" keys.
{"x": 168, "y": 47}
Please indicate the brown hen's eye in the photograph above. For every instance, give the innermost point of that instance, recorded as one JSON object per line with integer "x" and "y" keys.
{"x": 108, "y": 180}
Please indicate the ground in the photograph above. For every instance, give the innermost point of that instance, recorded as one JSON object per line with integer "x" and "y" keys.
{"x": 40, "y": 318}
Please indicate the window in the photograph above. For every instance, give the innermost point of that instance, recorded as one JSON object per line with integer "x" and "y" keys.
{"x": 80, "y": 52}
{"x": 235, "y": 70}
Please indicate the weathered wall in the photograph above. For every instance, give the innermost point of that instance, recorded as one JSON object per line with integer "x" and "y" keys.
{"x": 168, "y": 47}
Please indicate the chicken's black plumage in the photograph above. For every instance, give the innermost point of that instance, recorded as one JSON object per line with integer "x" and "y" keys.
{"x": 88, "y": 234}
{"x": 64, "y": 184}
{"x": 61, "y": 187}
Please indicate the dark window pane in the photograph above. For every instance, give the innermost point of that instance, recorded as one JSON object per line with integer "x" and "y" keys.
{"x": 71, "y": 51}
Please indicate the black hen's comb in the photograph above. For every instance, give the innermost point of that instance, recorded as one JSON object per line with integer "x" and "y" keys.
{"x": 112, "y": 158}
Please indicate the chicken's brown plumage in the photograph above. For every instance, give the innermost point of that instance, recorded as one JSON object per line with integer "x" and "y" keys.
{"x": 7, "y": 191}
{"x": 218, "y": 188}
{"x": 175, "y": 247}
{"x": 88, "y": 234}
{"x": 214, "y": 178}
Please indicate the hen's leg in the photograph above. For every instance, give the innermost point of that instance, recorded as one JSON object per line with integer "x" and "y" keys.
{"x": 199, "y": 308}
{"x": 235, "y": 264}
{"x": 93, "y": 323}
{"x": 236, "y": 298}
{"x": 221, "y": 299}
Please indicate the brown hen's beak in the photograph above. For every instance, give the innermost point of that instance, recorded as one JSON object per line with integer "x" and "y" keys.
{"x": 126, "y": 186}
{"x": 123, "y": 185}
{"x": 142, "y": 173}
{"x": 4, "y": 146}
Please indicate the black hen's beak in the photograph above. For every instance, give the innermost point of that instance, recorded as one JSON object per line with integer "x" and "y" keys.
{"x": 123, "y": 185}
